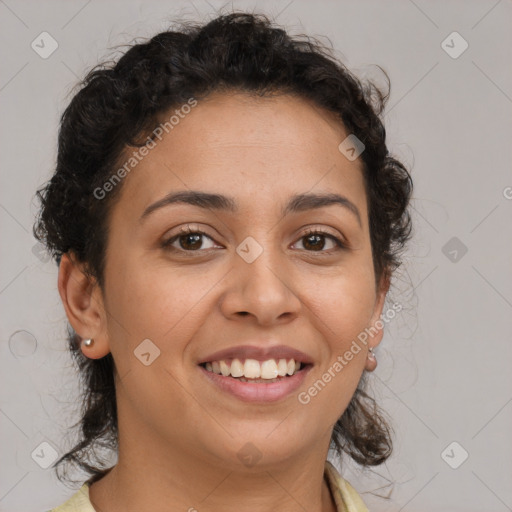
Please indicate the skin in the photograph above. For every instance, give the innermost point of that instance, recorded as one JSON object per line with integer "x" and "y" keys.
{"x": 179, "y": 435}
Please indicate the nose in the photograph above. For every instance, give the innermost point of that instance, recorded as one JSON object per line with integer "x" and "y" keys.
{"x": 261, "y": 291}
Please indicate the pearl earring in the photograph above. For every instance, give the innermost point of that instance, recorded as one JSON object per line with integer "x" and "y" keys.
{"x": 371, "y": 355}
{"x": 88, "y": 343}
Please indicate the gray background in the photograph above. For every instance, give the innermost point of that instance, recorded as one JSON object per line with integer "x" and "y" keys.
{"x": 444, "y": 365}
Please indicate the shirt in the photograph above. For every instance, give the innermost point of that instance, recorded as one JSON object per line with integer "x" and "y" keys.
{"x": 345, "y": 496}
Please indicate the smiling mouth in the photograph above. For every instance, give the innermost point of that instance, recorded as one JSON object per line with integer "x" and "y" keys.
{"x": 254, "y": 371}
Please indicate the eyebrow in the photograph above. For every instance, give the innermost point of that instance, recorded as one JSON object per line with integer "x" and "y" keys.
{"x": 297, "y": 203}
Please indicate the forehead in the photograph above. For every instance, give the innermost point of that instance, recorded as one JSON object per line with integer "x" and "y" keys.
{"x": 253, "y": 147}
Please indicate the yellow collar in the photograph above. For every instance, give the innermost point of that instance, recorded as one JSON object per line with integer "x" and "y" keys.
{"x": 345, "y": 496}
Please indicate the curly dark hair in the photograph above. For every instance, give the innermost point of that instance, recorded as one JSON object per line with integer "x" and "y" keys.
{"x": 119, "y": 103}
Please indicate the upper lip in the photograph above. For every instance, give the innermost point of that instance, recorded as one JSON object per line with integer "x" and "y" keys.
{"x": 258, "y": 353}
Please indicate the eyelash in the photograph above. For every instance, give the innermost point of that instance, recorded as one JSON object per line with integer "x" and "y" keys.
{"x": 188, "y": 230}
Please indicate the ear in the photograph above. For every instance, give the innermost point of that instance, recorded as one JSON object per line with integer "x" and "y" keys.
{"x": 83, "y": 302}
{"x": 376, "y": 326}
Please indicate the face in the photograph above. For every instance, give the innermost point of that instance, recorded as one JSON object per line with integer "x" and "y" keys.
{"x": 271, "y": 265}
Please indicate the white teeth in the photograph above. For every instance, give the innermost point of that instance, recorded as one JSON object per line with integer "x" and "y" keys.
{"x": 252, "y": 369}
{"x": 282, "y": 367}
{"x": 268, "y": 370}
{"x": 224, "y": 368}
{"x": 237, "y": 368}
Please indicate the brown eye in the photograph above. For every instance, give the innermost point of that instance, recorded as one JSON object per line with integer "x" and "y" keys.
{"x": 188, "y": 240}
{"x": 316, "y": 241}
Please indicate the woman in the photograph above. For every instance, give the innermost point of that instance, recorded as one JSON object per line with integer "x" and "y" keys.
{"x": 226, "y": 219}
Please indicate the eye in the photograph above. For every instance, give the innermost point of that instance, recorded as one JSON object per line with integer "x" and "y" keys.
{"x": 188, "y": 240}
{"x": 192, "y": 240}
{"x": 314, "y": 241}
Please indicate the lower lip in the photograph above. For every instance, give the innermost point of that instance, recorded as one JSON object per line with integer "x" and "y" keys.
{"x": 258, "y": 391}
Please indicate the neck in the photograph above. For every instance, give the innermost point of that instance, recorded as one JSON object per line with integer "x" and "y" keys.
{"x": 161, "y": 473}
{"x": 148, "y": 477}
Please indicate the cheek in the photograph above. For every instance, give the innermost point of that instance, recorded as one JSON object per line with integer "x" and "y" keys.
{"x": 341, "y": 309}
{"x": 343, "y": 305}
{"x": 157, "y": 303}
